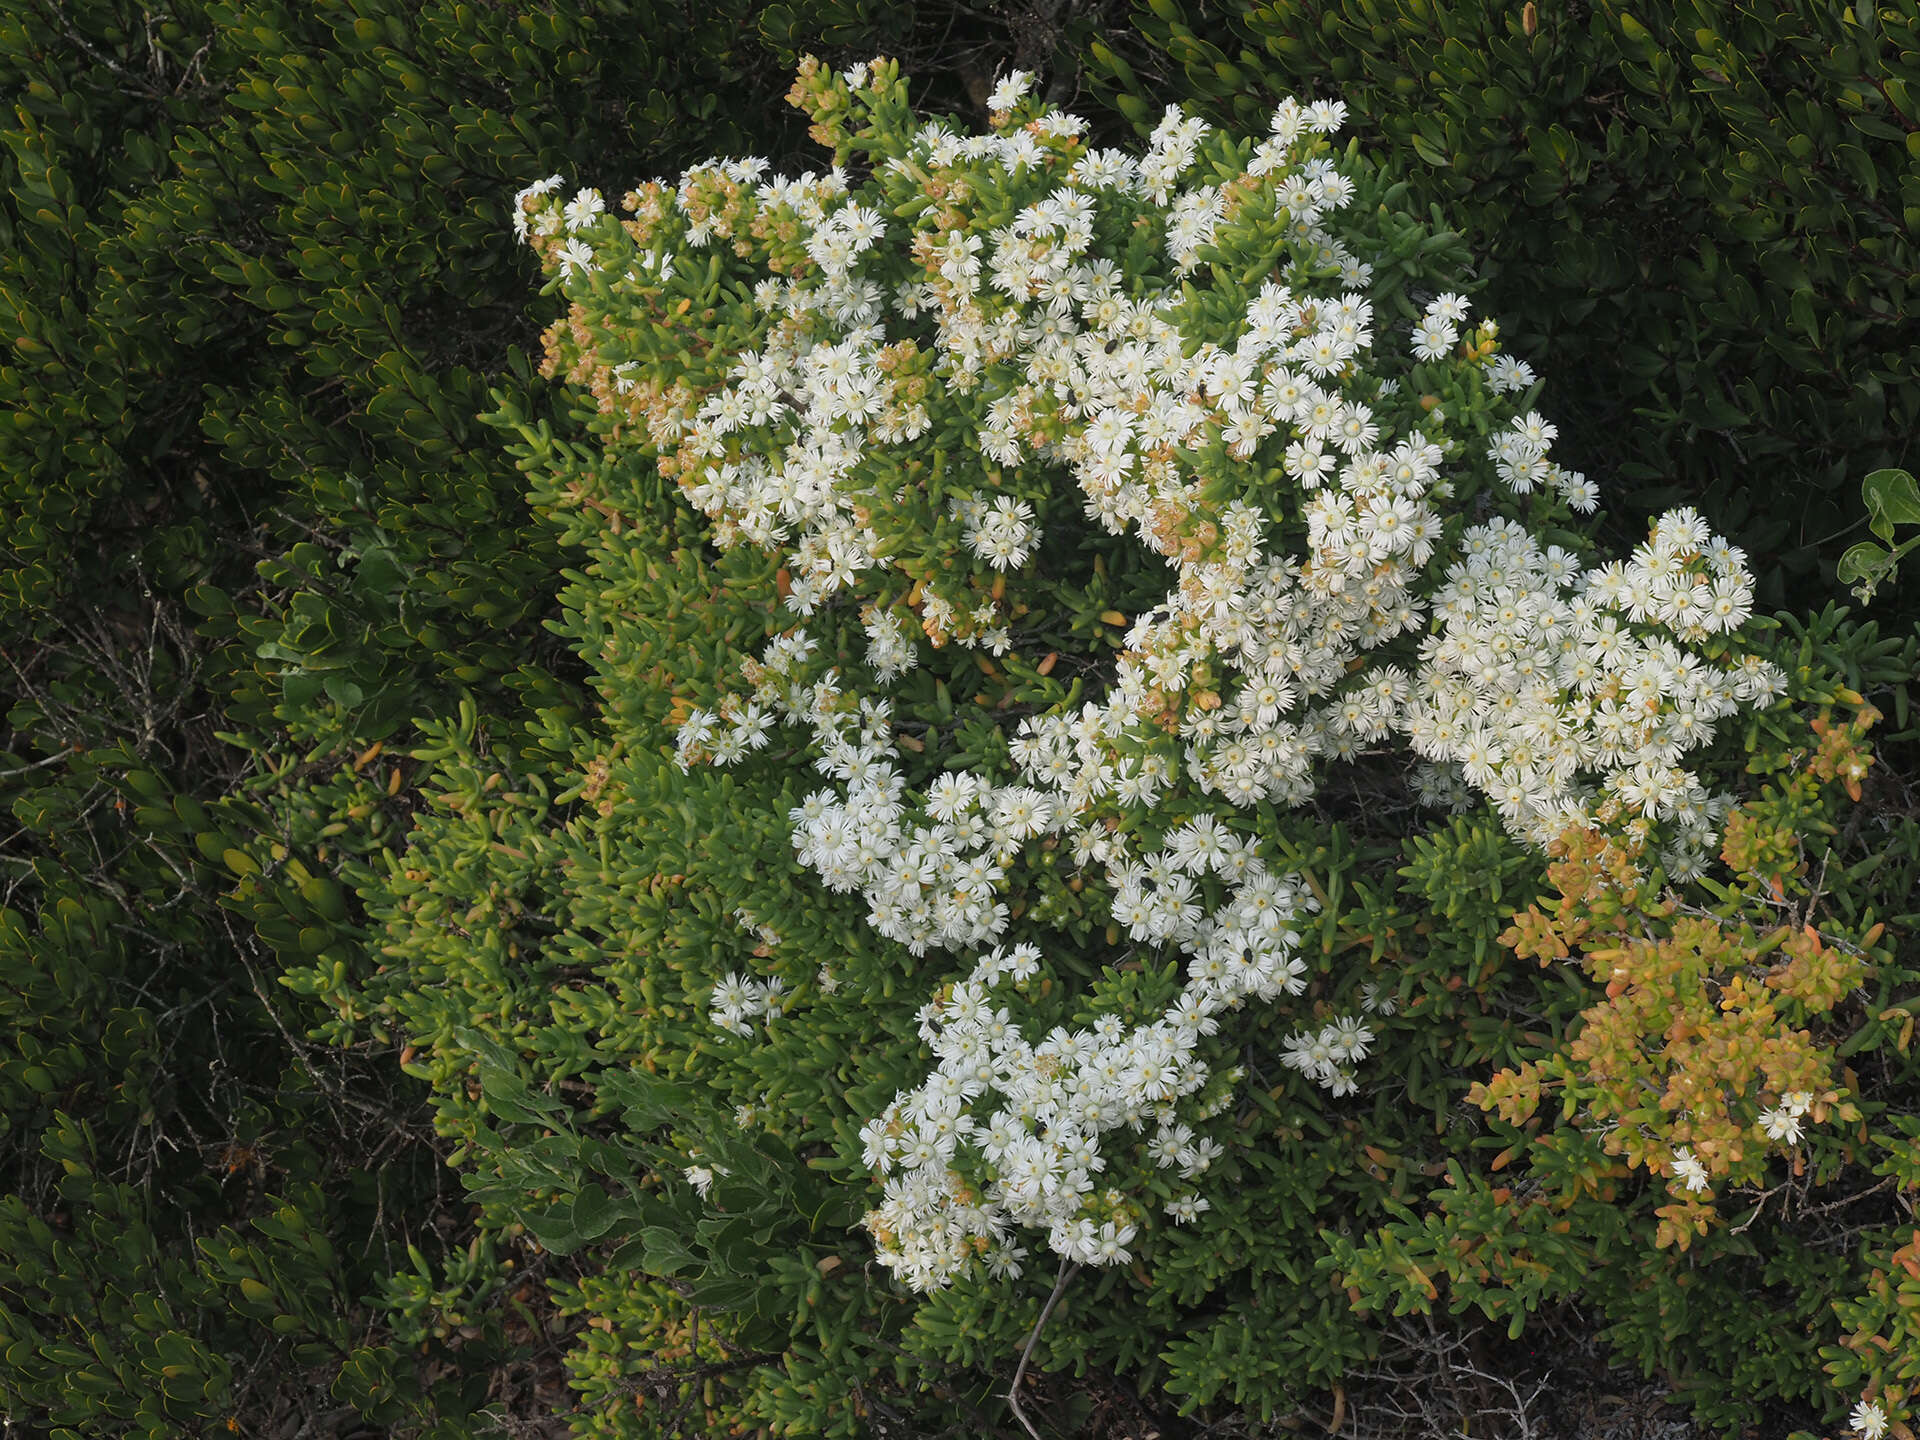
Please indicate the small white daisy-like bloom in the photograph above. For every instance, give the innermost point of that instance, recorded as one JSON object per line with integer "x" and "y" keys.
{"x": 584, "y": 209}
{"x": 1023, "y": 963}
{"x": 1869, "y": 1420}
{"x": 1375, "y": 1001}
{"x": 577, "y": 255}
{"x": 1003, "y": 1261}
{"x": 738, "y": 994}
{"x": 1781, "y": 1124}
{"x": 1687, "y": 1167}
{"x": 952, "y": 794}
{"x": 1433, "y": 338}
{"x": 1350, "y": 1038}
{"x": 1187, "y": 1208}
{"x": 1508, "y": 376}
{"x": 862, "y": 226}
{"x": 1010, "y": 91}
{"x": 1326, "y": 116}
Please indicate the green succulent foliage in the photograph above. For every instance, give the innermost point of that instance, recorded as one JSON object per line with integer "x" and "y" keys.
{"x": 348, "y": 209}
{"x": 1703, "y": 211}
{"x": 147, "y": 1102}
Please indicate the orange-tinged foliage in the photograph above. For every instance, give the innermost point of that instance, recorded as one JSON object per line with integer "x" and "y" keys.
{"x": 1702, "y": 1022}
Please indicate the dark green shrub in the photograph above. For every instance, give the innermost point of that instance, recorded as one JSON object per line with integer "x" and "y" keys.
{"x": 168, "y": 1217}
{"x": 99, "y": 458}
{"x": 256, "y": 282}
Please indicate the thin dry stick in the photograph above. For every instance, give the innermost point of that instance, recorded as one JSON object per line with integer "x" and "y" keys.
{"x": 38, "y": 764}
{"x": 1020, "y": 1371}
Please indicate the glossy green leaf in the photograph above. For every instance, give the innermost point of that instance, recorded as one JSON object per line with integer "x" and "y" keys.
{"x": 1892, "y": 499}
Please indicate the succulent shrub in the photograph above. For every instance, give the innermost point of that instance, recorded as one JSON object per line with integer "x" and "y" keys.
{"x": 1034, "y": 592}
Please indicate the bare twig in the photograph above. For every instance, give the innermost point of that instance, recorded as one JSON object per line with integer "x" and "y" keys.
{"x": 1765, "y": 1195}
{"x": 1067, "y": 1268}
{"x": 38, "y": 764}
{"x": 74, "y": 38}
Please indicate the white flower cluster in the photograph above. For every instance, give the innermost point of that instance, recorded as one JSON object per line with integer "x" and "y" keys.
{"x": 738, "y": 1000}
{"x": 575, "y": 255}
{"x": 1001, "y": 533}
{"x": 531, "y": 192}
{"x": 1535, "y": 672}
{"x": 925, "y": 884}
{"x": 1782, "y": 1122}
{"x": 1564, "y": 695}
{"x": 1519, "y": 455}
{"x": 1030, "y": 1159}
{"x": 1439, "y": 330}
{"x": 936, "y": 883}
{"x": 1323, "y": 1055}
{"x": 932, "y": 884}
{"x": 890, "y": 648}
{"x": 1689, "y": 1168}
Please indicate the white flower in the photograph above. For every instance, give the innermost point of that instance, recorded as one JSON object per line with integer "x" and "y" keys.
{"x": 1508, "y": 376}
{"x": 577, "y": 255}
{"x": 584, "y": 209}
{"x": 1187, "y": 1208}
{"x": 1375, "y": 1000}
{"x": 1868, "y": 1420}
{"x": 1010, "y": 90}
{"x": 1003, "y": 535}
{"x": 1781, "y": 1124}
{"x": 1326, "y": 116}
{"x": 1687, "y": 1167}
{"x": 1350, "y": 1039}
{"x": 1003, "y": 1261}
{"x": 737, "y": 994}
{"x": 1109, "y": 1248}
{"x": 1433, "y": 338}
